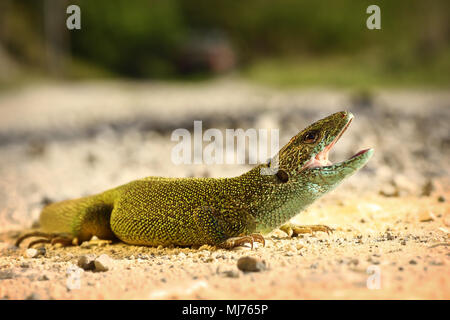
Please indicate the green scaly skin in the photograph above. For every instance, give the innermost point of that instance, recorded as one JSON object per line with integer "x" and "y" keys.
{"x": 195, "y": 211}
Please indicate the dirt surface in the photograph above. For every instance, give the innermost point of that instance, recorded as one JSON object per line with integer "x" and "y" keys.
{"x": 372, "y": 235}
{"x": 391, "y": 220}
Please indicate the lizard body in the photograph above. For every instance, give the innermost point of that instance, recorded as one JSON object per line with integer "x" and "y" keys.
{"x": 195, "y": 211}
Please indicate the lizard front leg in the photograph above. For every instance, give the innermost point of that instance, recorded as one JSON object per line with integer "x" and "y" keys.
{"x": 233, "y": 242}
{"x": 293, "y": 230}
{"x": 226, "y": 230}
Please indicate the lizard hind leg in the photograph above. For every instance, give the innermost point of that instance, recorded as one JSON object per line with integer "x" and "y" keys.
{"x": 44, "y": 237}
{"x": 70, "y": 222}
{"x": 293, "y": 230}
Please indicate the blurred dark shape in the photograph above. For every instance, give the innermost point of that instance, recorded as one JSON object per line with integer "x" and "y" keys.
{"x": 9, "y": 68}
{"x": 207, "y": 52}
{"x": 91, "y": 159}
{"x": 428, "y": 188}
{"x": 435, "y": 35}
{"x": 136, "y": 39}
{"x": 56, "y": 36}
{"x": 363, "y": 99}
{"x": 45, "y": 201}
{"x": 36, "y": 148}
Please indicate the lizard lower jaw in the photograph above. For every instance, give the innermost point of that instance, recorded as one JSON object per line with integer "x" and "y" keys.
{"x": 323, "y": 162}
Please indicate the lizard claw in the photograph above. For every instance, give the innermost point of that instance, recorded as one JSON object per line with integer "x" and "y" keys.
{"x": 231, "y": 243}
{"x": 293, "y": 230}
{"x": 52, "y": 238}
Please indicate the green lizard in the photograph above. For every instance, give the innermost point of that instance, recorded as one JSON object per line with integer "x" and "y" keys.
{"x": 224, "y": 212}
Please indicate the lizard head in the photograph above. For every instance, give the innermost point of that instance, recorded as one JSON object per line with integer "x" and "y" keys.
{"x": 301, "y": 172}
{"x": 305, "y": 156}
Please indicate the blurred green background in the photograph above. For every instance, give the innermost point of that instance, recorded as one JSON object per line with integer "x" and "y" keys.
{"x": 285, "y": 43}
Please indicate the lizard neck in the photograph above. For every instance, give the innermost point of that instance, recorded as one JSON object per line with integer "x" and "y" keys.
{"x": 271, "y": 201}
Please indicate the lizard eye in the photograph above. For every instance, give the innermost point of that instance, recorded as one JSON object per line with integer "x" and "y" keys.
{"x": 311, "y": 137}
{"x": 282, "y": 176}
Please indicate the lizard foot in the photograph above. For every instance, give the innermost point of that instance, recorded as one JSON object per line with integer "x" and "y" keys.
{"x": 294, "y": 230}
{"x": 95, "y": 242}
{"x": 53, "y": 238}
{"x": 231, "y": 243}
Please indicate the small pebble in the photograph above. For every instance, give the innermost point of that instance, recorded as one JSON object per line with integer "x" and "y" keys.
{"x": 210, "y": 259}
{"x": 103, "y": 263}
{"x": 232, "y": 273}
{"x": 389, "y": 236}
{"x": 86, "y": 262}
{"x": 216, "y": 255}
{"x": 31, "y": 253}
{"x": 44, "y": 277}
{"x": 41, "y": 251}
{"x": 389, "y": 191}
{"x": 427, "y": 216}
{"x": 250, "y": 264}
{"x": 428, "y": 188}
{"x": 447, "y": 221}
{"x": 412, "y": 262}
{"x": 289, "y": 254}
{"x": 354, "y": 262}
{"x": 33, "y": 296}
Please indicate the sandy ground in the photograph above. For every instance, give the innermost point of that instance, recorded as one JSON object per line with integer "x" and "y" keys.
{"x": 380, "y": 250}
{"x": 391, "y": 220}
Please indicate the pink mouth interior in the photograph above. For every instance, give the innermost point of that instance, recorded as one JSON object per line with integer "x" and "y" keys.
{"x": 321, "y": 159}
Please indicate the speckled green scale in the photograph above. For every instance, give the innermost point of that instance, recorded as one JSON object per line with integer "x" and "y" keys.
{"x": 196, "y": 211}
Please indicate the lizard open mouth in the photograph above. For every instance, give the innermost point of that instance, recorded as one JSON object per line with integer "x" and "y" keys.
{"x": 321, "y": 159}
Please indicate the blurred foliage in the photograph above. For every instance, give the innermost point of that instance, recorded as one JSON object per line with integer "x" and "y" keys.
{"x": 135, "y": 38}
{"x": 273, "y": 40}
